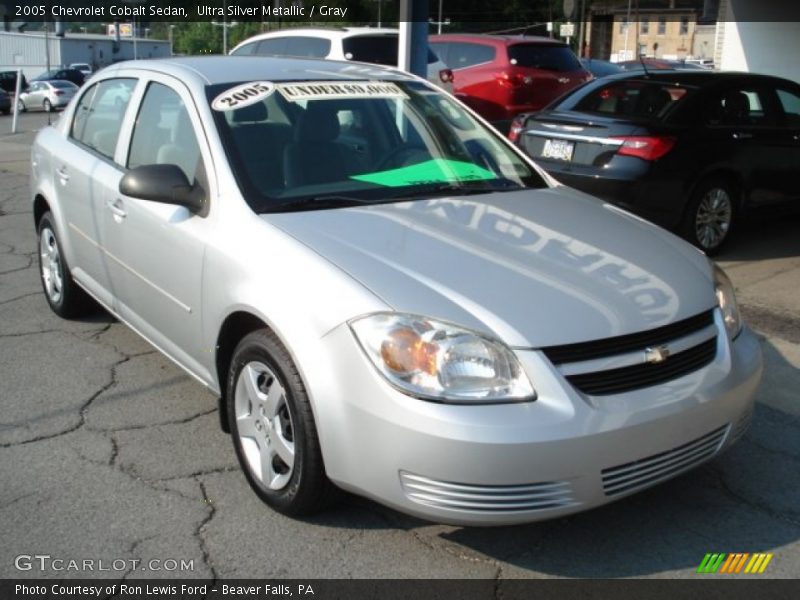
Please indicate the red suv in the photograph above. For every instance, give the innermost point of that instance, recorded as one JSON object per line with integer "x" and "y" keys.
{"x": 501, "y": 76}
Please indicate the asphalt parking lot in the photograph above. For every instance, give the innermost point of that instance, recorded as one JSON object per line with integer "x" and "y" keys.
{"x": 108, "y": 451}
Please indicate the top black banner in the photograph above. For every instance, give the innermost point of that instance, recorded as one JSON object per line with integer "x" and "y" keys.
{"x": 533, "y": 13}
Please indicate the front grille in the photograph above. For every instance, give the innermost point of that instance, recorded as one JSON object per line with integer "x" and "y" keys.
{"x": 486, "y": 498}
{"x": 627, "y": 343}
{"x": 634, "y": 377}
{"x": 660, "y": 467}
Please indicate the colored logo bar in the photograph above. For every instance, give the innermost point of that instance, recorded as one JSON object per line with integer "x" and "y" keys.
{"x": 737, "y": 562}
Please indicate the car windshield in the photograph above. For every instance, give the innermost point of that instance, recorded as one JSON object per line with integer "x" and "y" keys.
{"x": 542, "y": 56}
{"x": 302, "y": 145}
{"x": 377, "y": 49}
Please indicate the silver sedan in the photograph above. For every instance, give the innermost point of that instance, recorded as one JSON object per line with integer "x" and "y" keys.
{"x": 47, "y": 95}
{"x": 387, "y": 296}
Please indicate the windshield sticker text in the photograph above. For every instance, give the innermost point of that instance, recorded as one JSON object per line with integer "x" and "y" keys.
{"x": 332, "y": 90}
{"x": 243, "y": 95}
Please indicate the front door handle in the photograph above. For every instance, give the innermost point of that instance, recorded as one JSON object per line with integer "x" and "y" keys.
{"x": 742, "y": 136}
{"x": 62, "y": 174}
{"x": 115, "y": 206}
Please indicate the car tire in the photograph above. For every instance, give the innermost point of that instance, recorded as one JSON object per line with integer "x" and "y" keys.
{"x": 711, "y": 214}
{"x": 7, "y": 111}
{"x": 47, "y": 106}
{"x": 273, "y": 428}
{"x": 21, "y": 106}
{"x": 63, "y": 295}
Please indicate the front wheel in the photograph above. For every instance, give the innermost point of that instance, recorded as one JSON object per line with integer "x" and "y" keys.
{"x": 273, "y": 427}
{"x": 710, "y": 215}
{"x": 65, "y": 298}
{"x": 21, "y": 106}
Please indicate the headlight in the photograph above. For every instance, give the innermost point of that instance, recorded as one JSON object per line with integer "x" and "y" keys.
{"x": 441, "y": 361}
{"x": 726, "y": 298}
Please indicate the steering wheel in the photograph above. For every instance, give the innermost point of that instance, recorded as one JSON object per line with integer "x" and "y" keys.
{"x": 400, "y": 157}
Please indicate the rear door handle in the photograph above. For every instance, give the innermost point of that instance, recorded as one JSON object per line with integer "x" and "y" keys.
{"x": 115, "y": 206}
{"x": 742, "y": 136}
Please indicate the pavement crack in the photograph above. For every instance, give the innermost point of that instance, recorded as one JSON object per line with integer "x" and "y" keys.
{"x": 160, "y": 424}
{"x": 10, "y": 300}
{"x": 81, "y": 411}
{"x": 212, "y": 510}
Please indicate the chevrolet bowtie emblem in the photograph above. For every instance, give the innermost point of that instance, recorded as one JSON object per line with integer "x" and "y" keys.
{"x": 656, "y": 355}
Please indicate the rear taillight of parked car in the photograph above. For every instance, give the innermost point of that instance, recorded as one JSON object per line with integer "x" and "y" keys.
{"x": 645, "y": 147}
{"x": 58, "y": 93}
{"x": 517, "y": 126}
{"x": 446, "y": 76}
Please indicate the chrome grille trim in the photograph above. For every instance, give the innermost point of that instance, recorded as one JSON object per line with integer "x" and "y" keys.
{"x": 486, "y": 498}
{"x": 654, "y": 469}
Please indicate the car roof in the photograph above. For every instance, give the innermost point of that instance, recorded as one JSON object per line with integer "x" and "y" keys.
{"x": 210, "y": 70}
{"x": 503, "y": 40}
{"x": 686, "y": 77}
{"x": 326, "y": 32}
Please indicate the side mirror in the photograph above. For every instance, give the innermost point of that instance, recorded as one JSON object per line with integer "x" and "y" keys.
{"x": 162, "y": 183}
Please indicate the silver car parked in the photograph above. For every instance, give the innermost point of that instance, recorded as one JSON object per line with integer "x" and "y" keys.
{"x": 47, "y": 95}
{"x": 386, "y": 295}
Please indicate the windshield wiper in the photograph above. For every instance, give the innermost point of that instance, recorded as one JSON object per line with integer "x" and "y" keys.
{"x": 318, "y": 202}
{"x": 454, "y": 189}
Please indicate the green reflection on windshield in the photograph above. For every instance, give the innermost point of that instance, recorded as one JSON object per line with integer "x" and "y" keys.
{"x": 438, "y": 170}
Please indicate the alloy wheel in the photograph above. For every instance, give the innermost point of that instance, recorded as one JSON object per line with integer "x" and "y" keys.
{"x": 52, "y": 267}
{"x": 264, "y": 425}
{"x": 713, "y": 217}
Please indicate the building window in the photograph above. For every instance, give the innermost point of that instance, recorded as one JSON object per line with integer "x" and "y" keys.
{"x": 623, "y": 24}
{"x": 684, "y": 26}
{"x": 645, "y": 29}
{"x": 662, "y": 25}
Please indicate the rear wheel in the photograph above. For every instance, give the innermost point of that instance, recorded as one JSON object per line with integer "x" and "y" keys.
{"x": 711, "y": 214}
{"x": 273, "y": 428}
{"x": 65, "y": 298}
{"x": 48, "y": 107}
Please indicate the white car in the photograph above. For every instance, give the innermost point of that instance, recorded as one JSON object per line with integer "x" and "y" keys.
{"x": 360, "y": 44}
{"x": 84, "y": 68}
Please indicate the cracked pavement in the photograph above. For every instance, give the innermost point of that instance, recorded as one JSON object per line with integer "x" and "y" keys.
{"x": 109, "y": 451}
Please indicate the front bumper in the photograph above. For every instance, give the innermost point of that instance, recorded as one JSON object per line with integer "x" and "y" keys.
{"x": 515, "y": 463}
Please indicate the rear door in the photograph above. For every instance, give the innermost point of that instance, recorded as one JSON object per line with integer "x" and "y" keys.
{"x": 85, "y": 177}
{"x": 743, "y": 133}
{"x": 787, "y": 102}
{"x": 540, "y": 73}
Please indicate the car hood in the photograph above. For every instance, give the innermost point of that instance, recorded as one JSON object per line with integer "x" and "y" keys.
{"x": 535, "y": 267}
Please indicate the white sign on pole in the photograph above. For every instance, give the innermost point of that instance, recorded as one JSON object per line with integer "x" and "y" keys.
{"x": 567, "y": 30}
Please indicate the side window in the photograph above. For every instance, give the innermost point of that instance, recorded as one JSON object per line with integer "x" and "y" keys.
{"x": 274, "y": 46}
{"x": 307, "y": 47}
{"x": 163, "y": 133}
{"x": 466, "y": 55}
{"x": 739, "y": 106}
{"x": 245, "y": 50}
{"x": 790, "y": 103}
{"x": 98, "y": 116}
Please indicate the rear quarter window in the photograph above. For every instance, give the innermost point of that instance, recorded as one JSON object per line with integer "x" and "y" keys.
{"x": 547, "y": 58}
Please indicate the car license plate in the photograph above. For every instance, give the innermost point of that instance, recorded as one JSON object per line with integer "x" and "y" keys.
{"x": 558, "y": 149}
